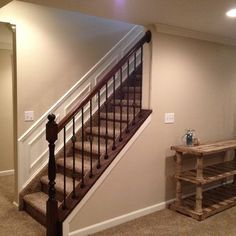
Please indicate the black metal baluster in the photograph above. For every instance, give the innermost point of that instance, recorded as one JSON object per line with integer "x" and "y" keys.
{"x": 73, "y": 139}
{"x": 106, "y": 105}
{"x": 99, "y": 123}
{"x": 134, "y": 101}
{"x": 114, "y": 113}
{"x": 141, "y": 84}
{"x": 127, "y": 120}
{"x": 82, "y": 131}
{"x": 121, "y": 107}
{"x": 91, "y": 140}
{"x": 64, "y": 169}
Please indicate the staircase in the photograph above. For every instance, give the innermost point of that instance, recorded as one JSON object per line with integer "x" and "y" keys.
{"x": 92, "y": 135}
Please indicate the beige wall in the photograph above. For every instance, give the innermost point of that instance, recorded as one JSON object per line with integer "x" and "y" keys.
{"x": 55, "y": 48}
{"x": 197, "y": 81}
{"x": 6, "y": 110}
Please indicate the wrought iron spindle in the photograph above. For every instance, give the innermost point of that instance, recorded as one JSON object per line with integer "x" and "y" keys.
{"x": 64, "y": 169}
{"x": 99, "y": 123}
{"x": 73, "y": 139}
{"x": 114, "y": 113}
{"x": 106, "y": 105}
{"x": 121, "y": 107}
{"x": 134, "y": 84}
{"x": 127, "y": 119}
{"x": 82, "y": 133}
{"x": 91, "y": 139}
{"x": 141, "y": 83}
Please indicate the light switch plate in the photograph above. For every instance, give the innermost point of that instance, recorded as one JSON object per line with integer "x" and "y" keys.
{"x": 169, "y": 118}
{"x": 29, "y": 116}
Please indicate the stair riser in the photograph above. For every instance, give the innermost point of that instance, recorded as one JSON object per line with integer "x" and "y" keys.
{"x": 69, "y": 173}
{"x": 124, "y": 109}
{"x": 59, "y": 195}
{"x": 38, "y": 216}
{"x": 131, "y": 96}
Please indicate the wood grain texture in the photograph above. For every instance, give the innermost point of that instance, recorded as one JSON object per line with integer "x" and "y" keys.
{"x": 206, "y": 149}
{"x": 214, "y": 201}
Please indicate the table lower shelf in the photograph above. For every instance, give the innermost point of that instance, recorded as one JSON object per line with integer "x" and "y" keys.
{"x": 214, "y": 201}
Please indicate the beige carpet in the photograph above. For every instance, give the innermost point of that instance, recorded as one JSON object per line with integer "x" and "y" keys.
{"x": 12, "y": 221}
{"x": 169, "y": 223}
{"x": 162, "y": 223}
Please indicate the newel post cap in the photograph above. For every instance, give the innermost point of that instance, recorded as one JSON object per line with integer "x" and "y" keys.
{"x": 51, "y": 129}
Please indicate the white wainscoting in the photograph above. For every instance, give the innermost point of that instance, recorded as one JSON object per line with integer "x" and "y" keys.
{"x": 32, "y": 145}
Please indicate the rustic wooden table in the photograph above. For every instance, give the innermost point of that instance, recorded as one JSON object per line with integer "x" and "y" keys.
{"x": 207, "y": 203}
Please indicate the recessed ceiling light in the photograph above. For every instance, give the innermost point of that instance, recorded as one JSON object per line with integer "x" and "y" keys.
{"x": 231, "y": 13}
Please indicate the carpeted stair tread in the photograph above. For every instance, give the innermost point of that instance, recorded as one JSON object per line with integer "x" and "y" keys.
{"x": 60, "y": 183}
{"x": 124, "y": 102}
{"x": 110, "y": 116}
{"x": 110, "y": 124}
{"x": 37, "y": 200}
{"x": 78, "y": 163}
{"x": 78, "y": 145}
{"x": 95, "y": 130}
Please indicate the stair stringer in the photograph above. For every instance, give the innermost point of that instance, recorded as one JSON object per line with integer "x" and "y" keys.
{"x": 99, "y": 183}
{"x": 32, "y": 145}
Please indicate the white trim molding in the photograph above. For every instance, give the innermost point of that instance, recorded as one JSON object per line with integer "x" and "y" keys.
{"x": 179, "y": 31}
{"x": 117, "y": 220}
{"x": 120, "y": 219}
{"x": 128, "y": 217}
{"x": 32, "y": 145}
{"x": 6, "y": 172}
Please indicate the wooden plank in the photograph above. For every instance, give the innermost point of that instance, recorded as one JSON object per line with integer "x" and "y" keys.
{"x": 210, "y": 173}
{"x": 207, "y": 149}
{"x": 214, "y": 201}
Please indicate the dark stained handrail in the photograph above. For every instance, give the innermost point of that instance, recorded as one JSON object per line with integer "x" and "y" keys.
{"x": 107, "y": 77}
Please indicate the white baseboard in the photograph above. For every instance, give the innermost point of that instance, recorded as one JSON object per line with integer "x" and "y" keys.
{"x": 120, "y": 219}
{"x": 6, "y": 172}
{"x": 130, "y": 216}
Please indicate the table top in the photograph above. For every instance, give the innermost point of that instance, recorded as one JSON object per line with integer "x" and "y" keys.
{"x": 206, "y": 149}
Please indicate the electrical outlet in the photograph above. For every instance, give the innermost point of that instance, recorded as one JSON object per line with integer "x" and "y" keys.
{"x": 29, "y": 116}
{"x": 169, "y": 118}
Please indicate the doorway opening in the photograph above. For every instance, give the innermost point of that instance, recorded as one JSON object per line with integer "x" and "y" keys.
{"x": 8, "y": 134}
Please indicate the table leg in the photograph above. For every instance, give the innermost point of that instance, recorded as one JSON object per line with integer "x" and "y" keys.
{"x": 178, "y": 201}
{"x": 199, "y": 197}
{"x": 235, "y": 161}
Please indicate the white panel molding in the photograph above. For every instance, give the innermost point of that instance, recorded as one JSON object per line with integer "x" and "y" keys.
{"x": 6, "y": 172}
{"x": 32, "y": 145}
{"x": 103, "y": 177}
{"x": 174, "y": 30}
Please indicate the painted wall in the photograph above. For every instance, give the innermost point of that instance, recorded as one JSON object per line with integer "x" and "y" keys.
{"x": 197, "y": 81}
{"x": 6, "y": 109}
{"x": 55, "y": 48}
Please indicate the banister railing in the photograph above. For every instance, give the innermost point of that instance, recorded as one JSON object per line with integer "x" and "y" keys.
{"x": 68, "y": 117}
{"x": 93, "y": 145}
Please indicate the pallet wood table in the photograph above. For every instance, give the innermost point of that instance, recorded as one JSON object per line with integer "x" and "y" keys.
{"x": 207, "y": 203}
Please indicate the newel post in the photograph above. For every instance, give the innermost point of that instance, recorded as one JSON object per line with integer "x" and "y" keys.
{"x": 52, "y": 204}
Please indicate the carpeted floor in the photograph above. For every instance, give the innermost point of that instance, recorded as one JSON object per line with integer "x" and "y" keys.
{"x": 12, "y": 221}
{"x": 169, "y": 223}
{"x": 162, "y": 223}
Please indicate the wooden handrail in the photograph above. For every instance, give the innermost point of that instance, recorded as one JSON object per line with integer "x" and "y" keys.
{"x": 145, "y": 39}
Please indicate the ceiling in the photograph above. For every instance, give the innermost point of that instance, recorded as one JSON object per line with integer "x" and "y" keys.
{"x": 201, "y": 15}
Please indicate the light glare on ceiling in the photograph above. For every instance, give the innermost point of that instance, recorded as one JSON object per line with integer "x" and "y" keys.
{"x": 231, "y": 13}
